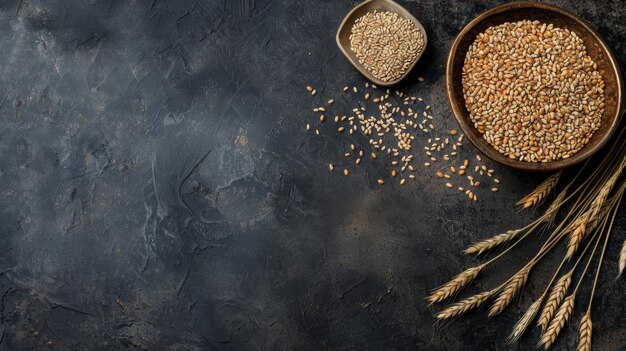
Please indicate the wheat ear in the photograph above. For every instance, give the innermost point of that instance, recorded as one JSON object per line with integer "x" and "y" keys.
{"x": 455, "y": 285}
{"x": 554, "y": 300}
{"x": 584, "y": 333}
{"x": 551, "y": 212}
{"x": 589, "y": 220}
{"x": 557, "y": 324}
{"x": 577, "y": 235}
{"x": 604, "y": 210}
{"x": 488, "y": 244}
{"x": 540, "y": 193}
{"x": 523, "y": 323}
{"x": 622, "y": 260}
{"x": 585, "y": 224}
{"x": 509, "y": 291}
{"x": 463, "y": 306}
{"x": 597, "y": 203}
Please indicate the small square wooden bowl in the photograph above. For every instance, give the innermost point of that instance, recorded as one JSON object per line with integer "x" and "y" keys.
{"x": 343, "y": 35}
{"x": 596, "y": 49}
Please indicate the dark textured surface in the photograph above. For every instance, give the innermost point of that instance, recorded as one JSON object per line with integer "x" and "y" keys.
{"x": 159, "y": 192}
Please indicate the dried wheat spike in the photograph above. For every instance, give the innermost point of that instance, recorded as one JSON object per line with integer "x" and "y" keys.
{"x": 554, "y": 206}
{"x": 523, "y": 323}
{"x": 557, "y": 324}
{"x": 554, "y": 300}
{"x": 510, "y": 290}
{"x": 584, "y": 225}
{"x": 622, "y": 260}
{"x": 584, "y": 333}
{"x": 601, "y": 198}
{"x": 455, "y": 285}
{"x": 488, "y": 244}
{"x": 580, "y": 227}
{"x": 463, "y": 306}
{"x": 540, "y": 193}
{"x": 604, "y": 210}
{"x": 598, "y": 202}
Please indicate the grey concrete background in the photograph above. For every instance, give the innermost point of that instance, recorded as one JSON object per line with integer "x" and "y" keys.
{"x": 159, "y": 192}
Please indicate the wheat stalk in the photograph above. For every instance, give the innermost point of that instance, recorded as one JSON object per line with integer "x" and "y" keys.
{"x": 586, "y": 326}
{"x": 540, "y": 193}
{"x": 584, "y": 333}
{"x": 488, "y": 244}
{"x": 523, "y": 323}
{"x": 463, "y": 306}
{"x": 554, "y": 300}
{"x": 455, "y": 285}
{"x": 509, "y": 291}
{"x": 588, "y": 216}
{"x": 556, "y": 325}
{"x": 622, "y": 260}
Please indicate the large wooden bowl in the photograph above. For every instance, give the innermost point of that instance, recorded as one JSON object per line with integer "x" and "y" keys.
{"x": 596, "y": 49}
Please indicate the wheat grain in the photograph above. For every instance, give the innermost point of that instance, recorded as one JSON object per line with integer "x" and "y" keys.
{"x": 455, "y": 285}
{"x": 584, "y": 333}
{"x": 556, "y": 325}
{"x": 523, "y": 323}
{"x": 540, "y": 193}
{"x": 488, "y": 244}
{"x": 522, "y": 88}
{"x": 510, "y": 290}
{"x": 386, "y": 44}
{"x": 463, "y": 306}
{"x": 554, "y": 300}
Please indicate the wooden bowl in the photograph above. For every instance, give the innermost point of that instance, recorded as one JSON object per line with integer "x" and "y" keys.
{"x": 343, "y": 35}
{"x": 596, "y": 49}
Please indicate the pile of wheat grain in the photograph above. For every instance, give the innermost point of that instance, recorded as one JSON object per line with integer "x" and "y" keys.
{"x": 385, "y": 44}
{"x": 532, "y": 91}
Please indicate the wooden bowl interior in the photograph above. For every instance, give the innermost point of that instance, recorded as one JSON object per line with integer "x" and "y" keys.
{"x": 343, "y": 35}
{"x": 606, "y": 66}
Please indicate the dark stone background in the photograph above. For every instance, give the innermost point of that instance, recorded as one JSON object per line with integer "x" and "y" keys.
{"x": 158, "y": 190}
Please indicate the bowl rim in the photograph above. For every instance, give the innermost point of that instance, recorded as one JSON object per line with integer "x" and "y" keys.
{"x": 487, "y": 149}
{"x": 357, "y": 64}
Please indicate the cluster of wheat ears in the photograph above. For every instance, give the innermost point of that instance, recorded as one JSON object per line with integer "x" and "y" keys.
{"x": 582, "y": 231}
